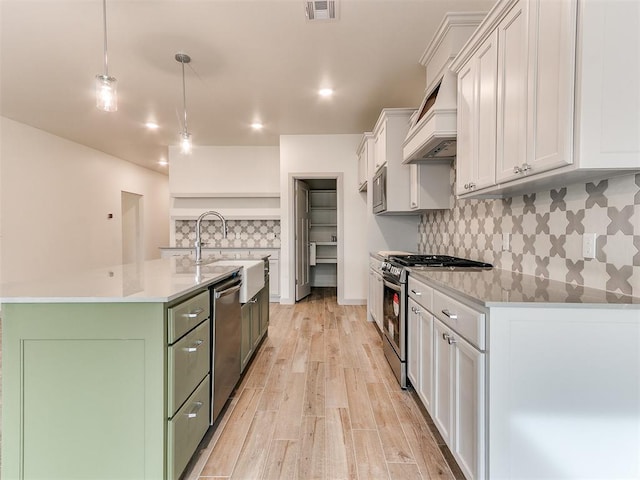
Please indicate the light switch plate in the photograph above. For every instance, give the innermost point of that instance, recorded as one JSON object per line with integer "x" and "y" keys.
{"x": 506, "y": 242}
{"x": 589, "y": 245}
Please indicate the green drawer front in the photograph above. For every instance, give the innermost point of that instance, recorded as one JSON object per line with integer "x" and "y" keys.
{"x": 187, "y": 428}
{"x": 186, "y": 315}
{"x": 189, "y": 360}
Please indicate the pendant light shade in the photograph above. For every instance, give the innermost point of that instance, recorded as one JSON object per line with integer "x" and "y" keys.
{"x": 106, "y": 93}
{"x": 185, "y": 136}
{"x": 106, "y": 86}
{"x": 185, "y": 143}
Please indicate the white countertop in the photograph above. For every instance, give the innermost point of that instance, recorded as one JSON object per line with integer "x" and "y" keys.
{"x": 161, "y": 280}
{"x": 502, "y": 288}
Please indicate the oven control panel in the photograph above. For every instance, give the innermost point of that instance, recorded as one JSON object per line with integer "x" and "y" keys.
{"x": 391, "y": 269}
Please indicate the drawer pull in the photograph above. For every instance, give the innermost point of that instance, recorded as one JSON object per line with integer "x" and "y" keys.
{"x": 194, "y": 411}
{"x": 452, "y": 316}
{"x": 194, "y": 313}
{"x": 194, "y": 347}
{"x": 451, "y": 340}
{"x": 416, "y": 293}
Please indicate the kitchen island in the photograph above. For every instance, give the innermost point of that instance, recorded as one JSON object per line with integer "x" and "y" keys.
{"x": 90, "y": 374}
{"x": 527, "y": 377}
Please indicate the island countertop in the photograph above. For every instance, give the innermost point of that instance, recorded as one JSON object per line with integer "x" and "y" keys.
{"x": 161, "y": 280}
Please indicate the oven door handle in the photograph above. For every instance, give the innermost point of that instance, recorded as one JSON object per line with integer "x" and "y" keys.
{"x": 392, "y": 286}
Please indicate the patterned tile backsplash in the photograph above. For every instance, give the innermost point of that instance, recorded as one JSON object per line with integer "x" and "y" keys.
{"x": 546, "y": 233}
{"x": 241, "y": 233}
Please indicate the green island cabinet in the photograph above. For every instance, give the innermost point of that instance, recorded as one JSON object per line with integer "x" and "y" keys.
{"x": 255, "y": 322}
{"x": 105, "y": 389}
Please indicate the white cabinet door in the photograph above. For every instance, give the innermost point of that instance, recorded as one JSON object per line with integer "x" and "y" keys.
{"x": 477, "y": 90}
{"x": 485, "y": 164}
{"x": 466, "y": 121}
{"x": 414, "y": 352}
{"x": 552, "y": 35}
{"x": 380, "y": 145}
{"x": 373, "y": 284}
{"x": 443, "y": 384}
{"x": 425, "y": 369}
{"x": 511, "y": 147}
{"x": 468, "y": 408}
{"x": 274, "y": 278}
{"x": 379, "y": 299}
{"x": 376, "y": 292}
{"x": 414, "y": 187}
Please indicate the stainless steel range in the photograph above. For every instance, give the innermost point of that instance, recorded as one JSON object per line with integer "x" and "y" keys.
{"x": 394, "y": 317}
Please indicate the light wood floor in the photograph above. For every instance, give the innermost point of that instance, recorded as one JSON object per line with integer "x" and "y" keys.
{"x": 320, "y": 402}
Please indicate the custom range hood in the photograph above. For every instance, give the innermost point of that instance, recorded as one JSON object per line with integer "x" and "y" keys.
{"x": 432, "y": 132}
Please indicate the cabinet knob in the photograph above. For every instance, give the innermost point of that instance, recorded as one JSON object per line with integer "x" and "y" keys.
{"x": 525, "y": 167}
{"x": 517, "y": 170}
{"x": 466, "y": 186}
{"x": 451, "y": 340}
{"x": 472, "y": 186}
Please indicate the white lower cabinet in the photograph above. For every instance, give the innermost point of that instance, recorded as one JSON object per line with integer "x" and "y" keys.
{"x": 468, "y": 443}
{"x": 459, "y": 401}
{"x": 420, "y": 352}
{"x": 448, "y": 373}
{"x": 274, "y": 278}
{"x": 522, "y": 390}
{"x": 376, "y": 292}
{"x": 443, "y": 386}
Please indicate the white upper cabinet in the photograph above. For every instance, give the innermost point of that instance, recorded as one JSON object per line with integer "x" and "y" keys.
{"x": 477, "y": 119}
{"x": 511, "y": 138}
{"x": 364, "y": 152}
{"x": 551, "y": 70}
{"x": 567, "y": 97}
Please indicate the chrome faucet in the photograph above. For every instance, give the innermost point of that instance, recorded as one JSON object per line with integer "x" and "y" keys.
{"x": 198, "y": 233}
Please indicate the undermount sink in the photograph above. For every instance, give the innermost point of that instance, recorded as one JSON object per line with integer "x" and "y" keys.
{"x": 252, "y": 276}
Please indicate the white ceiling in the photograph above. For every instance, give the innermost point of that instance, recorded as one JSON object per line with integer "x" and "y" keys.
{"x": 251, "y": 60}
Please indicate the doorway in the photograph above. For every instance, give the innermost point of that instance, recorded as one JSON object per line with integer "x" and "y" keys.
{"x": 316, "y": 214}
{"x": 132, "y": 236}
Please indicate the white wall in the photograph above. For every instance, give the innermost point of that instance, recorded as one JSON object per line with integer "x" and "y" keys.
{"x": 212, "y": 169}
{"x": 304, "y": 156}
{"x": 55, "y": 196}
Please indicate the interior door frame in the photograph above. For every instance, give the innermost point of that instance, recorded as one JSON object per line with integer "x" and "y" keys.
{"x": 339, "y": 178}
{"x": 132, "y": 208}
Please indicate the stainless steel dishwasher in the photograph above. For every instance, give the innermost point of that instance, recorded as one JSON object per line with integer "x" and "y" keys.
{"x": 227, "y": 333}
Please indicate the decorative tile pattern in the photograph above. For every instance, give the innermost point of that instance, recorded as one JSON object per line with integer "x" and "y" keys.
{"x": 546, "y": 233}
{"x": 241, "y": 233}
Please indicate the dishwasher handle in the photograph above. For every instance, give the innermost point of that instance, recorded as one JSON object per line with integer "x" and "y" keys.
{"x": 228, "y": 287}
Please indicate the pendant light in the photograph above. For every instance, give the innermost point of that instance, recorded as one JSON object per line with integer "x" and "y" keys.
{"x": 185, "y": 136}
{"x": 106, "y": 86}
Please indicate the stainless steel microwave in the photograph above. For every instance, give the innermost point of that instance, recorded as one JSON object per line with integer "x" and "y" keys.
{"x": 379, "y": 185}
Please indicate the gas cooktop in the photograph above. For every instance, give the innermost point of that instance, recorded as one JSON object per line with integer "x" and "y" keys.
{"x": 414, "y": 260}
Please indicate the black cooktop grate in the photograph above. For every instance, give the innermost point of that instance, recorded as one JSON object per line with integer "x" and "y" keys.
{"x": 436, "y": 261}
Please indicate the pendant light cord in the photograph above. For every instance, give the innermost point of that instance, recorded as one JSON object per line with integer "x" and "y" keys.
{"x": 104, "y": 18}
{"x": 184, "y": 98}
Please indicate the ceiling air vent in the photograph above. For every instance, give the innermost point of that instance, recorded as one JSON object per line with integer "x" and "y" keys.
{"x": 321, "y": 10}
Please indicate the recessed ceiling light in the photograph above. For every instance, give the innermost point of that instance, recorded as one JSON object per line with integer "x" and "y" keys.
{"x": 152, "y": 125}
{"x": 325, "y": 92}
{"x": 257, "y": 126}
